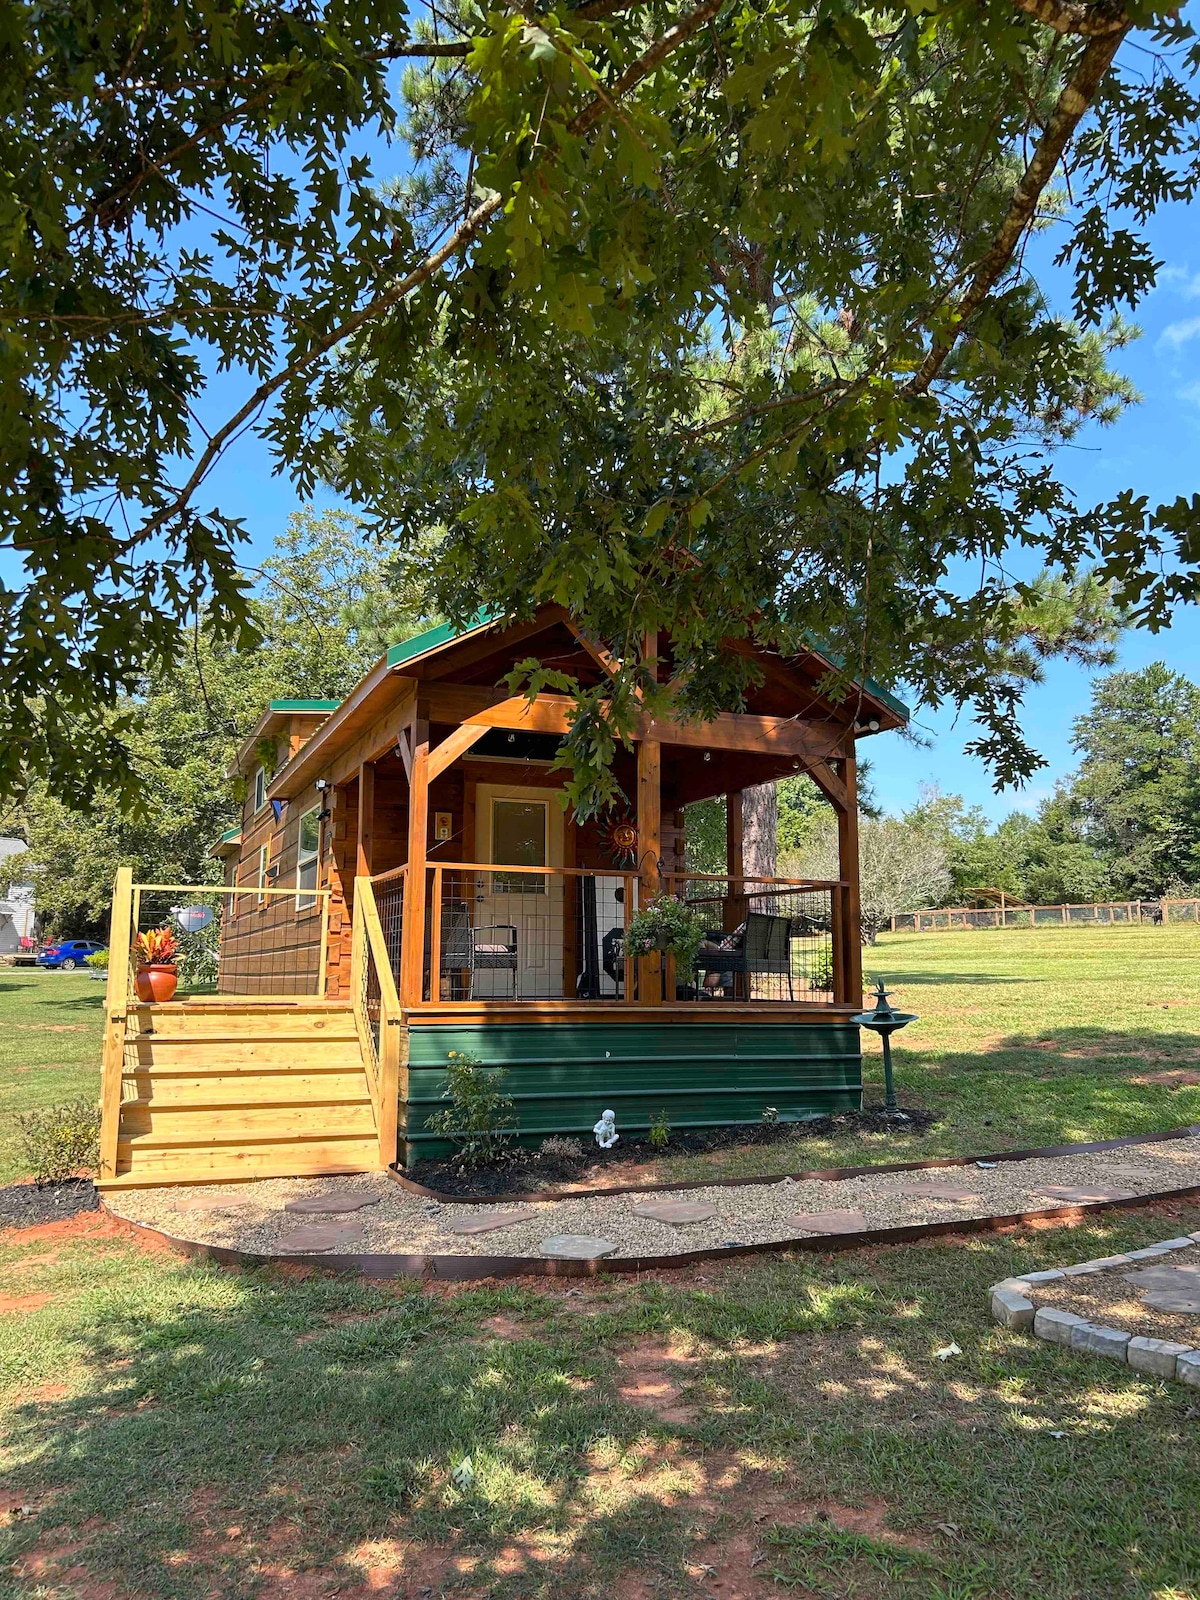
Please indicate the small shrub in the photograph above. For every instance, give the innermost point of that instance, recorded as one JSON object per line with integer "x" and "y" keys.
{"x": 60, "y": 1141}
{"x": 479, "y": 1119}
{"x": 660, "y": 1131}
{"x": 821, "y": 972}
{"x": 770, "y": 1116}
{"x": 98, "y": 960}
{"x": 557, "y": 1147}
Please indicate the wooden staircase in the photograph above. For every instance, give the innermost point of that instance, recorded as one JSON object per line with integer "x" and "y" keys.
{"x": 215, "y": 1090}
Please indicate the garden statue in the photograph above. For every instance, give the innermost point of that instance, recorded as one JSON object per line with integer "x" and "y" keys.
{"x": 606, "y": 1130}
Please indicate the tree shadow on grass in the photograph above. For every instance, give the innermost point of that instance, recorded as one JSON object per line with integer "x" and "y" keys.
{"x": 244, "y": 1434}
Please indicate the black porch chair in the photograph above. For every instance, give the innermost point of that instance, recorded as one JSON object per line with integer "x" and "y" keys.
{"x": 467, "y": 950}
{"x": 765, "y": 950}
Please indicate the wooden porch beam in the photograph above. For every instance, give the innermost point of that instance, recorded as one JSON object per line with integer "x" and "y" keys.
{"x": 550, "y": 713}
{"x": 455, "y": 744}
{"x": 830, "y": 785}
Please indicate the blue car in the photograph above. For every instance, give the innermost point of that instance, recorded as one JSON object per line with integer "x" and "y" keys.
{"x": 67, "y": 954}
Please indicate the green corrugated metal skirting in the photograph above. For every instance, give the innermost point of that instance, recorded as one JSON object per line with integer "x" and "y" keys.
{"x": 562, "y": 1075}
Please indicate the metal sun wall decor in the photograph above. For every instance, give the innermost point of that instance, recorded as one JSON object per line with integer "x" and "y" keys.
{"x": 619, "y": 841}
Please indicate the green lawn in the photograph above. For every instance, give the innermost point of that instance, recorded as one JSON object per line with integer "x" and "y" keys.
{"x": 786, "y": 1427}
{"x": 50, "y": 1028}
{"x": 1024, "y": 1038}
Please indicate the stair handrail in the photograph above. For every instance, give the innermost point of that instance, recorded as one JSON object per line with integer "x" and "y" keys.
{"x": 369, "y": 955}
{"x": 116, "y": 1019}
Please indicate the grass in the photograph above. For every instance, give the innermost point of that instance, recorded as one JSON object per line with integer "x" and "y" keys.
{"x": 183, "y": 1431}
{"x": 50, "y": 1029}
{"x": 173, "y": 1429}
{"x": 1025, "y": 1038}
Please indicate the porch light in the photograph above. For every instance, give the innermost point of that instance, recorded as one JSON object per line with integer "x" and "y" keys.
{"x": 885, "y": 1021}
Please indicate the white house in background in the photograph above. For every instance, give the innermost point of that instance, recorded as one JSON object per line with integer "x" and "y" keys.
{"x": 16, "y": 908}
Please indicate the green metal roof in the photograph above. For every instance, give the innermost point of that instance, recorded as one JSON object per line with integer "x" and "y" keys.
{"x": 230, "y": 835}
{"x": 421, "y": 643}
{"x": 304, "y": 705}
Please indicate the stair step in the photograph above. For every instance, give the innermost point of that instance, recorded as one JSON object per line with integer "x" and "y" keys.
{"x": 163, "y": 1022}
{"x": 207, "y": 1055}
{"x": 246, "y": 1086}
{"x": 161, "y": 1127}
{"x": 220, "y": 1164}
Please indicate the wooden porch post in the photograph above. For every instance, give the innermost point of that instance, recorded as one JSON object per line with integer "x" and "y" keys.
{"x": 849, "y": 870}
{"x": 735, "y": 860}
{"x": 412, "y": 958}
{"x": 366, "y": 818}
{"x": 649, "y": 829}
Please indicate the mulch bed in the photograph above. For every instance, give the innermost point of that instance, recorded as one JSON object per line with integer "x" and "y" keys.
{"x": 28, "y": 1205}
{"x": 529, "y": 1172}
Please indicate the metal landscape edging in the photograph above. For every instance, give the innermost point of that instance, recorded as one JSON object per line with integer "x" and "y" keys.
{"x": 814, "y": 1174}
{"x": 461, "y": 1267}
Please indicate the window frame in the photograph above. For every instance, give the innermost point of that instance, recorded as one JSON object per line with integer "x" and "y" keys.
{"x": 307, "y": 899}
{"x": 261, "y": 784}
{"x": 264, "y": 872}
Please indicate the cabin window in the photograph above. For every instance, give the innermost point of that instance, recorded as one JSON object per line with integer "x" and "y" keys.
{"x": 264, "y": 870}
{"x": 260, "y": 789}
{"x": 519, "y": 829}
{"x": 308, "y": 854}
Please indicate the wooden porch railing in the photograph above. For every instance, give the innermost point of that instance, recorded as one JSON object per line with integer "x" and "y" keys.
{"x": 377, "y": 1014}
{"x": 535, "y": 934}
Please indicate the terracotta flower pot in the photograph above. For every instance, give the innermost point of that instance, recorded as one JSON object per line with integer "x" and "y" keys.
{"x": 156, "y": 983}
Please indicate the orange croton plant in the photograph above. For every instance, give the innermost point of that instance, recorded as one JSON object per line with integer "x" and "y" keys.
{"x": 157, "y": 947}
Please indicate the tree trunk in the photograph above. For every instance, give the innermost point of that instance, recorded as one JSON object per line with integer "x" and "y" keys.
{"x": 760, "y": 825}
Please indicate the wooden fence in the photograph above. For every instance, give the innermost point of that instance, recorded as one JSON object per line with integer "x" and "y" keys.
{"x": 1103, "y": 913}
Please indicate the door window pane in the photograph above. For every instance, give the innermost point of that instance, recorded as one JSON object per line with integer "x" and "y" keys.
{"x": 519, "y": 840}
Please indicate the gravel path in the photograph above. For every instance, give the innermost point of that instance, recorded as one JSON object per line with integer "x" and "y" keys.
{"x": 399, "y": 1222}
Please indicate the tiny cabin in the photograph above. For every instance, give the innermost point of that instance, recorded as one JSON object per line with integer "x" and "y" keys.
{"x": 407, "y": 881}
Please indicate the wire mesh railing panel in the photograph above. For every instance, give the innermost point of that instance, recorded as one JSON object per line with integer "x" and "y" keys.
{"x": 230, "y": 941}
{"x": 523, "y": 935}
{"x": 389, "y": 902}
{"x": 763, "y": 941}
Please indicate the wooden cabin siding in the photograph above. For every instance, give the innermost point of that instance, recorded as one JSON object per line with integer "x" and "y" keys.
{"x": 270, "y": 947}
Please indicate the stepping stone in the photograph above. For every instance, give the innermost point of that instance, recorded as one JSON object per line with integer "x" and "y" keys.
{"x": 209, "y": 1202}
{"x": 486, "y": 1221}
{"x": 676, "y": 1211}
{"x": 332, "y": 1201}
{"x": 1080, "y": 1196}
{"x": 319, "y": 1237}
{"x": 939, "y": 1191}
{"x": 1181, "y": 1279}
{"x": 576, "y": 1247}
{"x": 1173, "y": 1300}
{"x": 828, "y": 1222}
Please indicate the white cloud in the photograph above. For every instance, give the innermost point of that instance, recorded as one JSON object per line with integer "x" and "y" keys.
{"x": 1179, "y": 333}
{"x": 1191, "y": 394}
{"x": 1182, "y": 280}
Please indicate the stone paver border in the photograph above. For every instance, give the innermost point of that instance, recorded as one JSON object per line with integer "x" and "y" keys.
{"x": 1013, "y": 1305}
